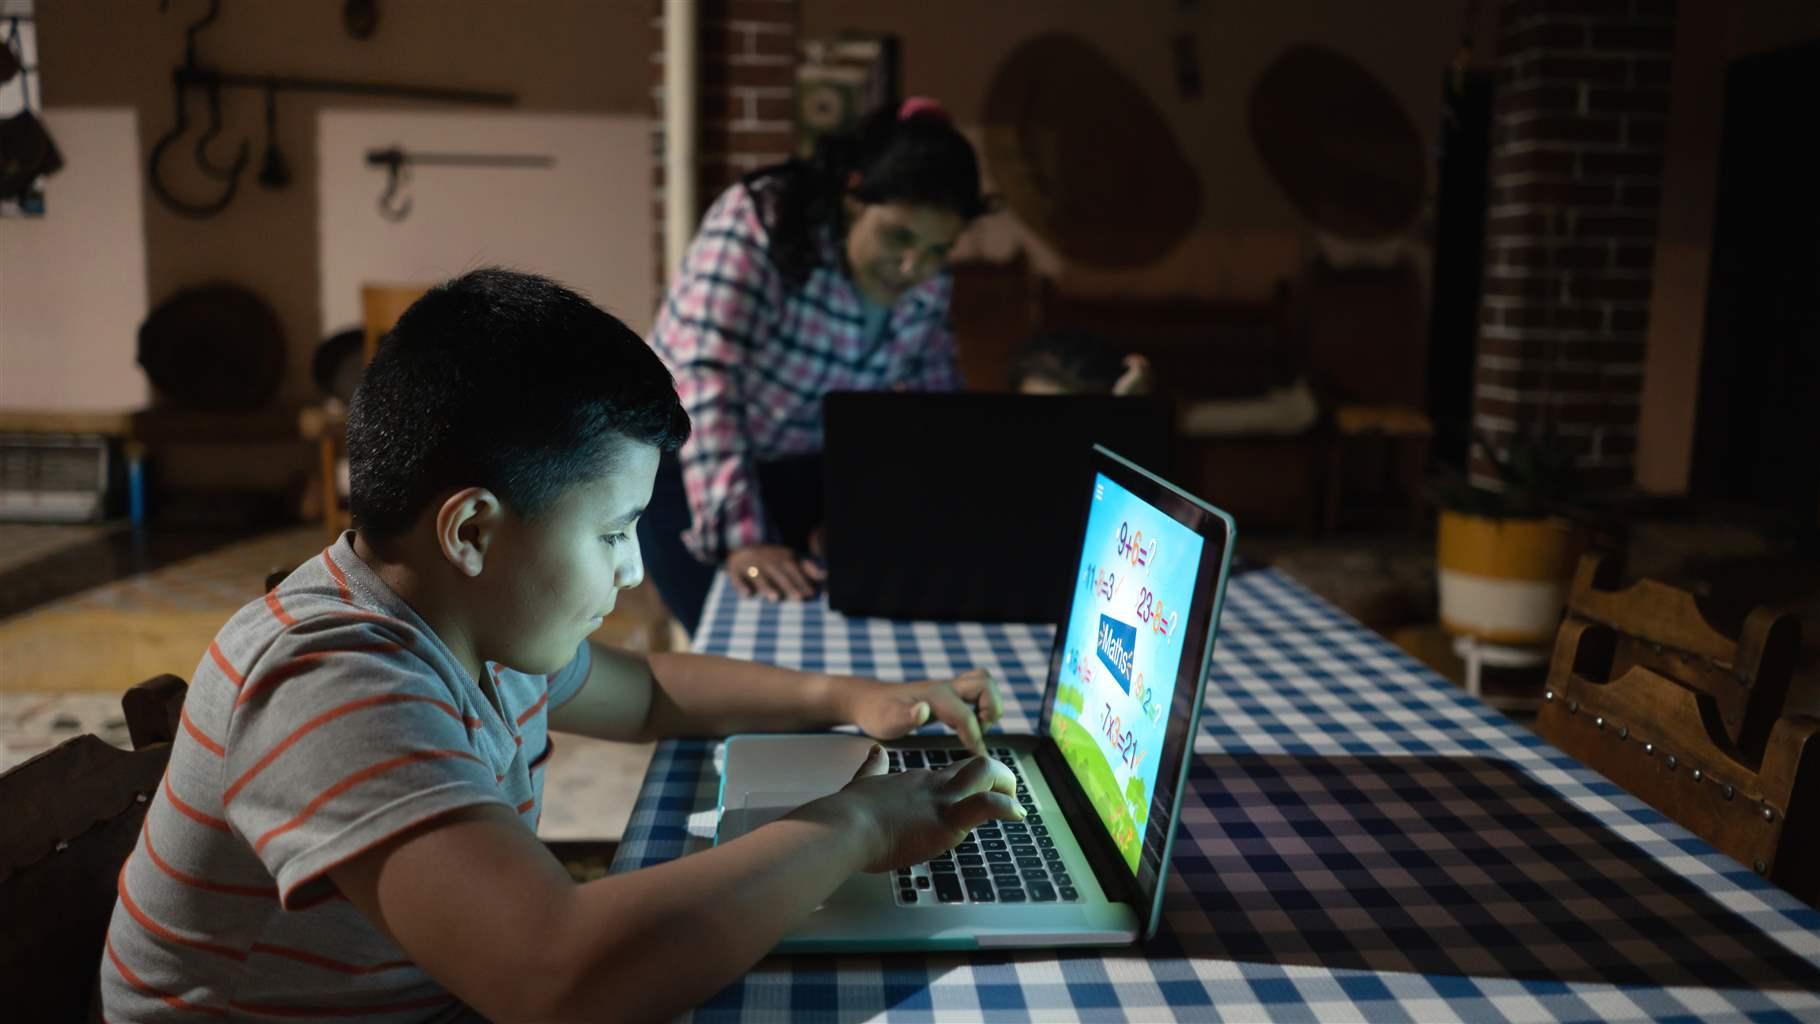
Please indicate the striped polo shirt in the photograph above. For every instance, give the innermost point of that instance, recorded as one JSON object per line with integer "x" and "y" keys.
{"x": 325, "y": 718}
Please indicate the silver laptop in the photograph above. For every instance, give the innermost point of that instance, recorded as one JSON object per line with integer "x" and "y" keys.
{"x": 1101, "y": 781}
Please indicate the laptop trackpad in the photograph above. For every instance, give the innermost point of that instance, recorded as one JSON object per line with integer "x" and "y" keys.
{"x": 759, "y": 808}
{"x": 768, "y": 776}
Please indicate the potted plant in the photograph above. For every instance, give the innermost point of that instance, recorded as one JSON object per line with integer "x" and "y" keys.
{"x": 1504, "y": 554}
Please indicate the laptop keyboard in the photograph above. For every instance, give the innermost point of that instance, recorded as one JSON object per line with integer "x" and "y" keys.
{"x": 999, "y": 862}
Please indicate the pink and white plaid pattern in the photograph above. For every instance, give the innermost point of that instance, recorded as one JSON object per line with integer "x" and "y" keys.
{"x": 753, "y": 358}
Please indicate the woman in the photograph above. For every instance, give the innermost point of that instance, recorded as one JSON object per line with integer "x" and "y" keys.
{"x": 804, "y": 278}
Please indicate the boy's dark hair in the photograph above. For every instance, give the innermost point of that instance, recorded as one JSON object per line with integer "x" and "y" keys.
{"x": 921, "y": 159}
{"x": 1079, "y": 363}
{"x": 506, "y": 381}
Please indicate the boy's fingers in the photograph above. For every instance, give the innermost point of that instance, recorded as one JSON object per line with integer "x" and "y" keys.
{"x": 992, "y": 707}
{"x": 903, "y": 718}
{"x": 979, "y": 689}
{"x": 974, "y": 811}
{"x": 812, "y": 569}
{"x": 958, "y": 715}
{"x": 981, "y": 774}
{"x": 874, "y": 764}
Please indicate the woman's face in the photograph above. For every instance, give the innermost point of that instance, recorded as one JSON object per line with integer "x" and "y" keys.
{"x": 893, "y": 247}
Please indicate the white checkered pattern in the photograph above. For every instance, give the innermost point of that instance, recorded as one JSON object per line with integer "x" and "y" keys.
{"x": 1361, "y": 840}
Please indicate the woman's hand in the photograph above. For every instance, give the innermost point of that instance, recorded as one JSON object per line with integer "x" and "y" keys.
{"x": 774, "y": 572}
{"x": 1137, "y": 378}
{"x": 968, "y": 704}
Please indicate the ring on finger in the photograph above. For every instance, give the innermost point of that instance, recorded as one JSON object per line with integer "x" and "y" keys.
{"x": 751, "y": 572}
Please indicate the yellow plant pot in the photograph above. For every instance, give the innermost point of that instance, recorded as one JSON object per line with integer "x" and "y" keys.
{"x": 1504, "y": 581}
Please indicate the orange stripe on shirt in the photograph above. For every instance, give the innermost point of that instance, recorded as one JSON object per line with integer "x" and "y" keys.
{"x": 146, "y": 922}
{"x": 317, "y": 960}
{"x": 270, "y": 1010}
{"x": 533, "y": 709}
{"x": 527, "y": 805}
{"x": 139, "y": 983}
{"x": 190, "y": 727}
{"x": 341, "y": 579}
{"x": 221, "y": 662}
{"x": 263, "y": 892}
{"x": 328, "y": 716}
{"x": 190, "y": 812}
{"x": 284, "y": 617}
{"x": 304, "y": 661}
{"x": 356, "y": 779}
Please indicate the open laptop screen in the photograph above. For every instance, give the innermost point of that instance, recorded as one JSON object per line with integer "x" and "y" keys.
{"x": 1125, "y": 636}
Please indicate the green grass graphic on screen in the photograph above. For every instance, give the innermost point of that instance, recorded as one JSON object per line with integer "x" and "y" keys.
{"x": 1095, "y": 775}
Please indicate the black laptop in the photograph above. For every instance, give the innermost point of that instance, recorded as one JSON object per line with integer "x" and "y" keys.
{"x": 953, "y": 505}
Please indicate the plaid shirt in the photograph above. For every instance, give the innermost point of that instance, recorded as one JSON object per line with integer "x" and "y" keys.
{"x": 753, "y": 357}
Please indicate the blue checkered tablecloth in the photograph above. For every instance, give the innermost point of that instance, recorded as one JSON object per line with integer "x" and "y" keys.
{"x": 1360, "y": 840}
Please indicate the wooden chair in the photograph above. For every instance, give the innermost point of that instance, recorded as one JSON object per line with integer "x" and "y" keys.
{"x": 380, "y": 305}
{"x": 72, "y": 815}
{"x": 1645, "y": 691}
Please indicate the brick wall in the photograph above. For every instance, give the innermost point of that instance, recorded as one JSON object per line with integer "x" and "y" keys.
{"x": 747, "y": 54}
{"x": 1576, "y": 180}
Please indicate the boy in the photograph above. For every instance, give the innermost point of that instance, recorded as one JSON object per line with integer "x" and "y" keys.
{"x": 1068, "y": 363}
{"x": 347, "y": 826}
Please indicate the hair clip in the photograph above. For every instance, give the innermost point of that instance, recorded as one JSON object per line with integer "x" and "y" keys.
{"x": 917, "y": 106}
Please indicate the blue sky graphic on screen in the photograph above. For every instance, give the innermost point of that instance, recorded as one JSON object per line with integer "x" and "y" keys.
{"x": 1124, "y": 645}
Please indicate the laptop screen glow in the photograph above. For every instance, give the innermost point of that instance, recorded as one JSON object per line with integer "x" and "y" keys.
{"x": 1123, "y": 650}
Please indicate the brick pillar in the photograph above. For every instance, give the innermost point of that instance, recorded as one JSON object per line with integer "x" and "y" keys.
{"x": 747, "y": 78}
{"x": 1576, "y": 180}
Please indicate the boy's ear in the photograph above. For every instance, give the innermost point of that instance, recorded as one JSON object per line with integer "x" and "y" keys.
{"x": 466, "y": 525}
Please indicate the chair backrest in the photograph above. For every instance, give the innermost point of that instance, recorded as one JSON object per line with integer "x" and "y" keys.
{"x": 1643, "y": 689}
{"x": 72, "y": 815}
{"x": 380, "y": 306}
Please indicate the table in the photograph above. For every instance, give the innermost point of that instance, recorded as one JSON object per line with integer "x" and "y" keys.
{"x": 1361, "y": 840}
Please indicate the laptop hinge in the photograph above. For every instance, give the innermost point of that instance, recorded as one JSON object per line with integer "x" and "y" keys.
{"x": 1115, "y": 877}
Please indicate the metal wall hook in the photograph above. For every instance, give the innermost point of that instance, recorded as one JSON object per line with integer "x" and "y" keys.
{"x": 203, "y": 160}
{"x": 194, "y": 28}
{"x": 391, "y": 206}
{"x": 274, "y": 171}
{"x": 197, "y": 210}
{"x": 397, "y": 161}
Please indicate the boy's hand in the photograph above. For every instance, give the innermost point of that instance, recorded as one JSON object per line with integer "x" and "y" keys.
{"x": 911, "y": 816}
{"x": 968, "y": 704}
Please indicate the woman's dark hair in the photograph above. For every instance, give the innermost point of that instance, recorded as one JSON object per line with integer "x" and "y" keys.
{"x": 921, "y": 159}
{"x": 1077, "y": 363}
{"x": 505, "y": 381}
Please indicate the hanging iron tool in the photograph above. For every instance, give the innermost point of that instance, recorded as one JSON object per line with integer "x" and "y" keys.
{"x": 397, "y": 161}
{"x": 274, "y": 171}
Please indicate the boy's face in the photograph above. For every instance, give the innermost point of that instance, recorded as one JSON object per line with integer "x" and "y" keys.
{"x": 563, "y": 570}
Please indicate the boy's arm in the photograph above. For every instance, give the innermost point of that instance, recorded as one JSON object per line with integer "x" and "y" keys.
{"x": 478, "y": 902}
{"x": 638, "y": 697}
